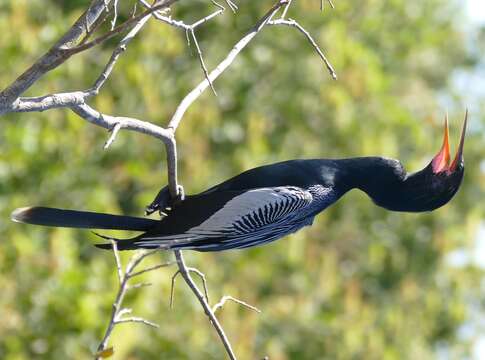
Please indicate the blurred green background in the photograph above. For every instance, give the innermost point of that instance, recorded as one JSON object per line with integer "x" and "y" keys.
{"x": 361, "y": 283}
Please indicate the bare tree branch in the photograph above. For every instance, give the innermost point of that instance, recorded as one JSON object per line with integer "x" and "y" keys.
{"x": 285, "y": 9}
{"x": 46, "y": 102}
{"x": 120, "y": 48}
{"x": 223, "y": 65}
{"x": 330, "y": 3}
{"x": 204, "y": 281}
{"x": 55, "y": 55}
{"x": 172, "y": 288}
{"x": 71, "y": 43}
{"x": 118, "y": 29}
{"x": 231, "y": 5}
{"x": 115, "y": 15}
{"x": 110, "y": 122}
{"x": 151, "y": 268}
{"x": 140, "y": 285}
{"x": 139, "y": 320}
{"x": 114, "y": 132}
{"x": 77, "y": 39}
{"x": 117, "y": 260}
{"x": 189, "y": 29}
{"x": 184, "y": 271}
{"x": 124, "y": 276}
{"x": 42, "y": 103}
{"x": 201, "y": 59}
{"x": 293, "y": 23}
{"x": 226, "y": 298}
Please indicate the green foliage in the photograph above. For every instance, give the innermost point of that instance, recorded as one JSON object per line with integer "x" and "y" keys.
{"x": 361, "y": 283}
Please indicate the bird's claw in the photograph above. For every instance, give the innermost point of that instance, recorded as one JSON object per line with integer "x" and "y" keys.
{"x": 164, "y": 200}
{"x": 160, "y": 203}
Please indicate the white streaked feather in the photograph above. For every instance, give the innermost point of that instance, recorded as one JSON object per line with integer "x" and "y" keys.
{"x": 293, "y": 209}
{"x": 248, "y": 204}
{"x": 244, "y": 206}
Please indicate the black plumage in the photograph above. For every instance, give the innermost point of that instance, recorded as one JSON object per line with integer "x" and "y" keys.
{"x": 266, "y": 203}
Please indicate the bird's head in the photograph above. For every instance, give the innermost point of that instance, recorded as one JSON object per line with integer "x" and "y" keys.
{"x": 433, "y": 186}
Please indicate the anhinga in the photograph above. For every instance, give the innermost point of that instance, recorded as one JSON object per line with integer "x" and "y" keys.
{"x": 268, "y": 202}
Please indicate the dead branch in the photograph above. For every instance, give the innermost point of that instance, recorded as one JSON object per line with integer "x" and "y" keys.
{"x": 293, "y": 23}
{"x": 124, "y": 275}
{"x": 223, "y": 65}
{"x": 226, "y": 298}
{"x": 78, "y": 39}
{"x": 205, "y": 305}
{"x": 55, "y": 55}
{"x": 189, "y": 30}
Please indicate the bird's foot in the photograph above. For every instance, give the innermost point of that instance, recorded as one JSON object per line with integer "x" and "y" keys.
{"x": 164, "y": 200}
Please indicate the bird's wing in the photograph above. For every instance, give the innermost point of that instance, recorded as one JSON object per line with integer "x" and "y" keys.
{"x": 246, "y": 212}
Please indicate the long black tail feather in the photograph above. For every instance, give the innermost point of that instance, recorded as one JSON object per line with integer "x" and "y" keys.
{"x": 80, "y": 219}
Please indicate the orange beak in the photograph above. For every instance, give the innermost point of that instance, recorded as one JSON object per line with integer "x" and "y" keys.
{"x": 441, "y": 162}
{"x": 459, "y": 151}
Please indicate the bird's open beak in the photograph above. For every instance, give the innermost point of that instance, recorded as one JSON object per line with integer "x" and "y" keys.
{"x": 442, "y": 159}
{"x": 459, "y": 152}
{"x": 441, "y": 162}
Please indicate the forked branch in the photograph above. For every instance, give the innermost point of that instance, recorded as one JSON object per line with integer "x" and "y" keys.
{"x": 79, "y": 38}
{"x": 124, "y": 275}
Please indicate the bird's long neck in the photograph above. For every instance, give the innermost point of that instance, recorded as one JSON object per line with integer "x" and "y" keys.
{"x": 370, "y": 173}
{"x": 382, "y": 179}
{"x": 388, "y": 185}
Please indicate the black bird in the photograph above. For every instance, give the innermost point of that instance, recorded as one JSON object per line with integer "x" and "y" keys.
{"x": 266, "y": 203}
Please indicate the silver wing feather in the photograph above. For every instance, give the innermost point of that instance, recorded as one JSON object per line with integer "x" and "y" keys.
{"x": 254, "y": 212}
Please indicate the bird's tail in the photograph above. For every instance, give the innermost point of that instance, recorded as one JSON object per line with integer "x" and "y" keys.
{"x": 80, "y": 219}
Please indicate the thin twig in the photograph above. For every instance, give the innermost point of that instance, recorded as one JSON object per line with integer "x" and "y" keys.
{"x": 206, "y": 19}
{"x": 117, "y": 311}
{"x": 231, "y": 5}
{"x": 115, "y": 14}
{"x": 118, "y": 29}
{"x": 133, "y": 12}
{"x": 120, "y": 48}
{"x": 138, "y": 258}
{"x": 322, "y": 4}
{"x": 204, "y": 282}
{"x": 285, "y": 10}
{"x": 189, "y": 30}
{"x": 172, "y": 295}
{"x": 117, "y": 260}
{"x": 151, "y": 268}
{"x": 226, "y": 298}
{"x": 138, "y": 320}
{"x": 223, "y": 65}
{"x": 122, "y": 312}
{"x": 91, "y": 28}
{"x": 139, "y": 285}
{"x": 115, "y": 307}
{"x": 293, "y": 23}
{"x": 114, "y": 132}
{"x": 201, "y": 60}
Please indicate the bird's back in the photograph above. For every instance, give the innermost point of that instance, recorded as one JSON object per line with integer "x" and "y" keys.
{"x": 301, "y": 173}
